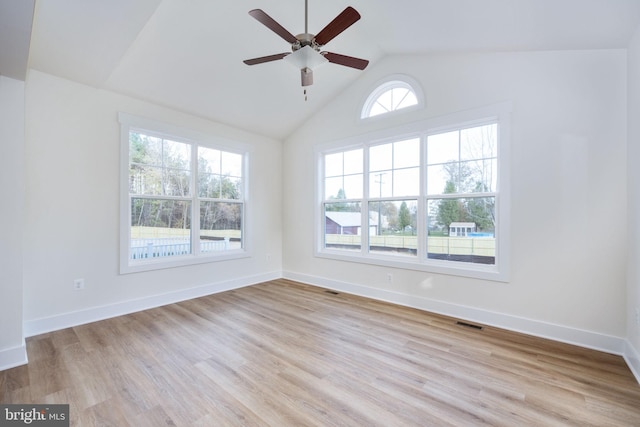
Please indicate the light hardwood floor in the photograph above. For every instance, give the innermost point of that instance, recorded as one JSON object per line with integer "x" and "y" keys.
{"x": 286, "y": 354}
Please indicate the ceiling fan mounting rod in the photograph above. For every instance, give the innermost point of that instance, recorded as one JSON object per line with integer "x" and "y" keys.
{"x": 306, "y": 16}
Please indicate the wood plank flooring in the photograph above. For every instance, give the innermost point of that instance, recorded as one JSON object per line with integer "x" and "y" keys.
{"x": 286, "y": 354}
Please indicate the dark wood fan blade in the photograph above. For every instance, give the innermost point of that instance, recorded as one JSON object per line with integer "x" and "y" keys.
{"x": 347, "y": 18}
{"x": 271, "y": 24}
{"x": 263, "y": 59}
{"x": 347, "y": 61}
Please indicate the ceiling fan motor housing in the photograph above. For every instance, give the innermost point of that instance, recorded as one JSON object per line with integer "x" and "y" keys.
{"x": 305, "y": 39}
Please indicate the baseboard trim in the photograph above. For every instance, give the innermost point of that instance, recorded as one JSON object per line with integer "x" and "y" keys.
{"x": 12, "y": 357}
{"x": 582, "y": 338}
{"x": 93, "y": 314}
{"x": 632, "y": 357}
{"x": 17, "y": 356}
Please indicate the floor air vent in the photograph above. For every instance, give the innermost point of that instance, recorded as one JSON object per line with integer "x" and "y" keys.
{"x": 469, "y": 325}
{"x": 329, "y": 291}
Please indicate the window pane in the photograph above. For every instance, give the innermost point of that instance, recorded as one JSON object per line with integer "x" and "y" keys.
{"x": 381, "y": 184}
{"x": 220, "y": 226}
{"x": 377, "y": 109}
{"x": 353, "y": 187}
{"x": 145, "y": 180}
{"x": 176, "y": 182}
{"x": 353, "y": 162}
{"x": 334, "y": 188}
{"x": 385, "y": 100}
{"x": 392, "y": 227}
{"x": 342, "y": 226}
{"x": 409, "y": 100}
{"x": 439, "y": 180}
{"x": 209, "y": 186}
{"x": 144, "y": 149}
{"x": 443, "y": 148}
{"x": 176, "y": 155}
{"x": 209, "y": 160}
{"x": 333, "y": 164}
{"x": 343, "y": 175}
{"x": 381, "y": 157}
{"x": 480, "y": 176}
{"x": 406, "y": 153}
{"x": 231, "y": 164}
{"x": 479, "y": 142}
{"x": 231, "y": 188}
{"x": 406, "y": 182}
{"x": 220, "y": 174}
{"x": 399, "y": 94}
{"x": 462, "y": 229}
{"x": 159, "y": 228}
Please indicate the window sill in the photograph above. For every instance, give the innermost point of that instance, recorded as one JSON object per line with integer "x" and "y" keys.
{"x": 127, "y": 267}
{"x": 452, "y": 268}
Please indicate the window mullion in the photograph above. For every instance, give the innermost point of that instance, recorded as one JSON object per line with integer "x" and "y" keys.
{"x": 422, "y": 221}
{"x": 364, "y": 209}
{"x": 195, "y": 204}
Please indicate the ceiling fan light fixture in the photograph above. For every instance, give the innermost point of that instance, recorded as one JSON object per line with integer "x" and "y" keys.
{"x": 306, "y": 57}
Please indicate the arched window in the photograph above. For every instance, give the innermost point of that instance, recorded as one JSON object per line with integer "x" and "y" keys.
{"x": 392, "y": 95}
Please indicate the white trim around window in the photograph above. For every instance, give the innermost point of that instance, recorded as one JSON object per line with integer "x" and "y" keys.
{"x": 202, "y": 246}
{"x": 417, "y": 258}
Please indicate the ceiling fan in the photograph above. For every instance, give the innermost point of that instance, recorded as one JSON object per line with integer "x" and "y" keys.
{"x": 306, "y": 49}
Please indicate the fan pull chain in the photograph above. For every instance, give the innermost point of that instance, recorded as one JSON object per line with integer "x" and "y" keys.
{"x": 305, "y": 95}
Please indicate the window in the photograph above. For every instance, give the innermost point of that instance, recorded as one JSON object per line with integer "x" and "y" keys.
{"x": 394, "y": 188}
{"x": 462, "y": 171}
{"x": 392, "y": 95}
{"x": 183, "y": 201}
{"x": 343, "y": 180}
{"x": 434, "y": 198}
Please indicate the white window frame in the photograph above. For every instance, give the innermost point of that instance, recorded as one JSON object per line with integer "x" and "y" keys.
{"x": 382, "y": 86}
{"x": 128, "y": 123}
{"x": 500, "y": 271}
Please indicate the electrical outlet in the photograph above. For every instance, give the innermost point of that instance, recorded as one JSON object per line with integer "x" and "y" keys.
{"x": 389, "y": 278}
{"x": 78, "y": 284}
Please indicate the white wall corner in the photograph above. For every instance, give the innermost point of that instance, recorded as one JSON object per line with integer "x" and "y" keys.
{"x": 12, "y": 357}
{"x": 93, "y": 314}
{"x": 582, "y": 338}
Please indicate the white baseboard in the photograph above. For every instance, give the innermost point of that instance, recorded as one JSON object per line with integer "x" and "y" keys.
{"x": 12, "y": 357}
{"x": 582, "y": 338}
{"x": 632, "y": 357}
{"x": 17, "y": 356}
{"x": 81, "y": 317}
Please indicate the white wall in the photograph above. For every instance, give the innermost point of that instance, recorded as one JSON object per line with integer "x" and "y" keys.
{"x": 12, "y": 350}
{"x": 568, "y": 202}
{"x": 633, "y": 298}
{"x": 72, "y": 209}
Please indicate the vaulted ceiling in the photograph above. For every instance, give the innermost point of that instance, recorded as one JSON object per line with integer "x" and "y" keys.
{"x": 187, "y": 54}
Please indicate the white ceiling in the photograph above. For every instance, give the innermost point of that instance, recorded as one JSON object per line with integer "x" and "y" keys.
{"x": 187, "y": 54}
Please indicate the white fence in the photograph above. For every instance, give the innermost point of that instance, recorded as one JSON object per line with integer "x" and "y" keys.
{"x": 163, "y": 247}
{"x": 478, "y": 246}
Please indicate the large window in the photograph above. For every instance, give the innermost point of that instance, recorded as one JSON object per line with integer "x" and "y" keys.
{"x": 433, "y": 198}
{"x": 184, "y": 199}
